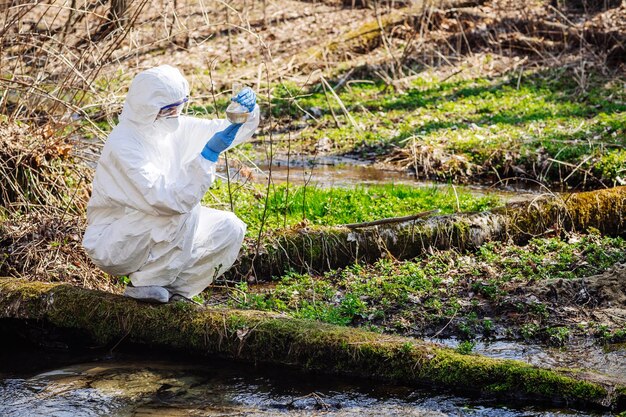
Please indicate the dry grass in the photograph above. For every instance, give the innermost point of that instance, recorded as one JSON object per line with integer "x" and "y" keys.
{"x": 39, "y": 172}
{"x": 47, "y": 247}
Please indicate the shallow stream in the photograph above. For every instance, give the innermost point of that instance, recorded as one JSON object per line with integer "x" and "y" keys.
{"x": 48, "y": 384}
{"x": 79, "y": 382}
{"x": 579, "y": 354}
{"x": 325, "y": 172}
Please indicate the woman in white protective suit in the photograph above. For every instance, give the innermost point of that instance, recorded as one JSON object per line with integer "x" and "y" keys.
{"x": 144, "y": 216}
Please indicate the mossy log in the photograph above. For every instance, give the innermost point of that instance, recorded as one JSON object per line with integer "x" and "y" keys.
{"x": 254, "y": 336}
{"x": 370, "y": 34}
{"x": 314, "y": 250}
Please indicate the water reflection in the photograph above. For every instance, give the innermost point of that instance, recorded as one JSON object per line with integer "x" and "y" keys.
{"x": 345, "y": 172}
{"x": 155, "y": 388}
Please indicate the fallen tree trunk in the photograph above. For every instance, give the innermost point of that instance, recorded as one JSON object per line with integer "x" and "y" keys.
{"x": 371, "y": 34}
{"x": 315, "y": 250}
{"x": 254, "y": 336}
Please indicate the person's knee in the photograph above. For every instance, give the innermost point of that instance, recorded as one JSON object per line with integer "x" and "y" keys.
{"x": 235, "y": 226}
{"x": 219, "y": 230}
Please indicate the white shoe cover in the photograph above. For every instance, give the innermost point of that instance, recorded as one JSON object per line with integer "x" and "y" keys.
{"x": 148, "y": 293}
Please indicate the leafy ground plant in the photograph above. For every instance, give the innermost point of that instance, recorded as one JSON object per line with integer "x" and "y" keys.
{"x": 538, "y": 125}
{"x": 502, "y": 290}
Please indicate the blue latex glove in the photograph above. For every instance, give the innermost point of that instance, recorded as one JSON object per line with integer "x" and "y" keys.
{"x": 246, "y": 97}
{"x": 219, "y": 142}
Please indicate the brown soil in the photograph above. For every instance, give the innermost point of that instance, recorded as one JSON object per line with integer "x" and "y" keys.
{"x": 599, "y": 298}
{"x": 606, "y": 290}
{"x": 581, "y": 305}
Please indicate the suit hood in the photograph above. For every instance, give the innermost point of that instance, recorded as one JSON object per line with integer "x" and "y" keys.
{"x": 151, "y": 90}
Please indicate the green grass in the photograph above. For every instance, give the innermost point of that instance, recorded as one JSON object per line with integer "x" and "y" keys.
{"x": 289, "y": 205}
{"x": 399, "y": 295}
{"x": 494, "y": 123}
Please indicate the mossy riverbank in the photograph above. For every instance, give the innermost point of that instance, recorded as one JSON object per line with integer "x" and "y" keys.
{"x": 529, "y": 271}
{"x": 553, "y": 291}
{"x": 251, "y": 336}
{"x": 320, "y": 249}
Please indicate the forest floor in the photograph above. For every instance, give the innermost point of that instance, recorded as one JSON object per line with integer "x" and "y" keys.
{"x": 551, "y": 291}
{"x": 473, "y": 93}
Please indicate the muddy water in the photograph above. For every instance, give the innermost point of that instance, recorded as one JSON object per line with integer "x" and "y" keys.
{"x": 129, "y": 386}
{"x": 345, "y": 172}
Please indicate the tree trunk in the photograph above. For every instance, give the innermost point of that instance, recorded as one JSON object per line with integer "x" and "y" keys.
{"x": 253, "y": 336}
{"x": 316, "y": 250}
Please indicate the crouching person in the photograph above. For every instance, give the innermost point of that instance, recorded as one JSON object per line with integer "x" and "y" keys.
{"x": 144, "y": 218}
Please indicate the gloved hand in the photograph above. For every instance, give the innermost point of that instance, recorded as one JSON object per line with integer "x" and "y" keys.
{"x": 246, "y": 97}
{"x": 219, "y": 142}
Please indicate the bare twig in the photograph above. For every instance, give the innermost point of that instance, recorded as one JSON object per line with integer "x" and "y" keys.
{"x": 341, "y": 105}
{"x": 391, "y": 220}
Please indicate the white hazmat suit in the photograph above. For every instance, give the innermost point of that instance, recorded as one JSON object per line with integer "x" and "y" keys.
{"x": 144, "y": 216}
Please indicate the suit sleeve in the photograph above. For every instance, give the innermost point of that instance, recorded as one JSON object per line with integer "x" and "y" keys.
{"x": 147, "y": 189}
{"x": 195, "y": 132}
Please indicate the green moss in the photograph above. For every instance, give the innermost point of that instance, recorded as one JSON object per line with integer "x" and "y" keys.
{"x": 254, "y": 336}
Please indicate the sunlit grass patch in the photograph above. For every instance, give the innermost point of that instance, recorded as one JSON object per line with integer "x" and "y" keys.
{"x": 544, "y": 124}
{"x": 291, "y": 204}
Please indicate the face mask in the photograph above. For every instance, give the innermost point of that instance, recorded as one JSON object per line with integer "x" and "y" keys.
{"x": 167, "y": 125}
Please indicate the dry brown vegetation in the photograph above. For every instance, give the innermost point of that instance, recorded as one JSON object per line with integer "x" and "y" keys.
{"x": 69, "y": 60}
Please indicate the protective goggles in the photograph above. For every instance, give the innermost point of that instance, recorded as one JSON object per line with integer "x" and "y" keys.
{"x": 172, "y": 110}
